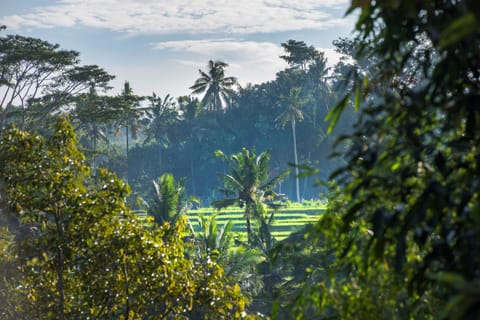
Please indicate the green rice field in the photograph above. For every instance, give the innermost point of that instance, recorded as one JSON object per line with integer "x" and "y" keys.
{"x": 286, "y": 220}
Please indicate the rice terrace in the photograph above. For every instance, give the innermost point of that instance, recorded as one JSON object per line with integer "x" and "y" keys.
{"x": 285, "y": 221}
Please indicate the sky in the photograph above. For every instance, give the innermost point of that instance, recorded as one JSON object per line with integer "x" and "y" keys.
{"x": 159, "y": 45}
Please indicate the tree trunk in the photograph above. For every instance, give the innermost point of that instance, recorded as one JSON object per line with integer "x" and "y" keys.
{"x": 248, "y": 214}
{"x": 59, "y": 258}
{"x": 127, "y": 291}
{"x": 297, "y": 180}
{"x": 126, "y": 132}
{"x": 305, "y": 179}
{"x": 192, "y": 177}
{"x": 249, "y": 230}
{"x": 159, "y": 159}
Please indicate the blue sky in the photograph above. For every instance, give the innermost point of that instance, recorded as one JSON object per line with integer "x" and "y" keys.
{"x": 159, "y": 45}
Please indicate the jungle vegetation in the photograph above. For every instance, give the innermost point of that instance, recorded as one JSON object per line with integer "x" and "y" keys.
{"x": 396, "y": 163}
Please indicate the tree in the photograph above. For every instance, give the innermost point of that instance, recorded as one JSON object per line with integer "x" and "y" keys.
{"x": 239, "y": 263}
{"x": 130, "y": 112}
{"x": 161, "y": 116}
{"x": 193, "y": 133}
{"x": 27, "y": 66}
{"x": 167, "y": 197}
{"x": 410, "y": 182}
{"x": 292, "y": 114}
{"x": 44, "y": 181}
{"x": 93, "y": 117}
{"x": 299, "y": 55}
{"x": 321, "y": 88}
{"x": 218, "y": 88}
{"x": 80, "y": 251}
{"x": 248, "y": 183}
{"x": 39, "y": 75}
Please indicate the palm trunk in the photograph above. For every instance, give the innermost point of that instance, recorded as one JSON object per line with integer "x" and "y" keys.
{"x": 249, "y": 230}
{"x": 193, "y": 177}
{"x": 297, "y": 180}
{"x": 126, "y": 132}
{"x": 159, "y": 159}
{"x": 305, "y": 179}
{"x": 248, "y": 213}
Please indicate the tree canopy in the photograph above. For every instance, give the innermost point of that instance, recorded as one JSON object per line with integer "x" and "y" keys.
{"x": 217, "y": 87}
{"x": 79, "y": 252}
{"x": 408, "y": 197}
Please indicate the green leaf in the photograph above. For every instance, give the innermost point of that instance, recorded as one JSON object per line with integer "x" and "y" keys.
{"x": 395, "y": 166}
{"x": 358, "y": 97}
{"x": 458, "y": 30}
{"x": 334, "y": 114}
{"x": 366, "y": 82}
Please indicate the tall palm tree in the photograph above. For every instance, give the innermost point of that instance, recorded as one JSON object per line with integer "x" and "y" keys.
{"x": 218, "y": 88}
{"x": 292, "y": 114}
{"x": 321, "y": 89}
{"x": 248, "y": 183}
{"x": 92, "y": 116}
{"x": 161, "y": 115}
{"x": 129, "y": 111}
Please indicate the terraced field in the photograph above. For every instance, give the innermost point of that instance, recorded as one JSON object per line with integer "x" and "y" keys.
{"x": 285, "y": 221}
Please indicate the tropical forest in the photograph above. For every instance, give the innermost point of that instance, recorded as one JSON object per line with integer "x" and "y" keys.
{"x": 333, "y": 191}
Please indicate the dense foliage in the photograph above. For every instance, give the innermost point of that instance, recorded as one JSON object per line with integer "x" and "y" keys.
{"x": 399, "y": 239}
{"x": 72, "y": 249}
{"x": 406, "y": 231}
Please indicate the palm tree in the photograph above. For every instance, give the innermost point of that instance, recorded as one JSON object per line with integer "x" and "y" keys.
{"x": 212, "y": 239}
{"x": 218, "y": 88}
{"x": 293, "y": 112}
{"x": 91, "y": 115}
{"x": 167, "y": 199}
{"x": 161, "y": 115}
{"x": 248, "y": 183}
{"x": 239, "y": 263}
{"x": 321, "y": 89}
{"x": 129, "y": 111}
{"x": 190, "y": 109}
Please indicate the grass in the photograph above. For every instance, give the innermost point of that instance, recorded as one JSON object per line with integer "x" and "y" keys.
{"x": 286, "y": 220}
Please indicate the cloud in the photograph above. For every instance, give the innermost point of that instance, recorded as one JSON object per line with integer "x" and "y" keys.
{"x": 226, "y": 49}
{"x": 250, "y": 61}
{"x": 184, "y": 16}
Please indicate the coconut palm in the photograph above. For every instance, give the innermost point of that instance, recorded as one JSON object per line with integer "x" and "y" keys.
{"x": 92, "y": 116}
{"x": 213, "y": 239}
{"x": 130, "y": 112}
{"x": 161, "y": 115}
{"x": 248, "y": 183}
{"x": 321, "y": 89}
{"x": 239, "y": 262}
{"x": 218, "y": 88}
{"x": 292, "y": 114}
{"x": 167, "y": 199}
